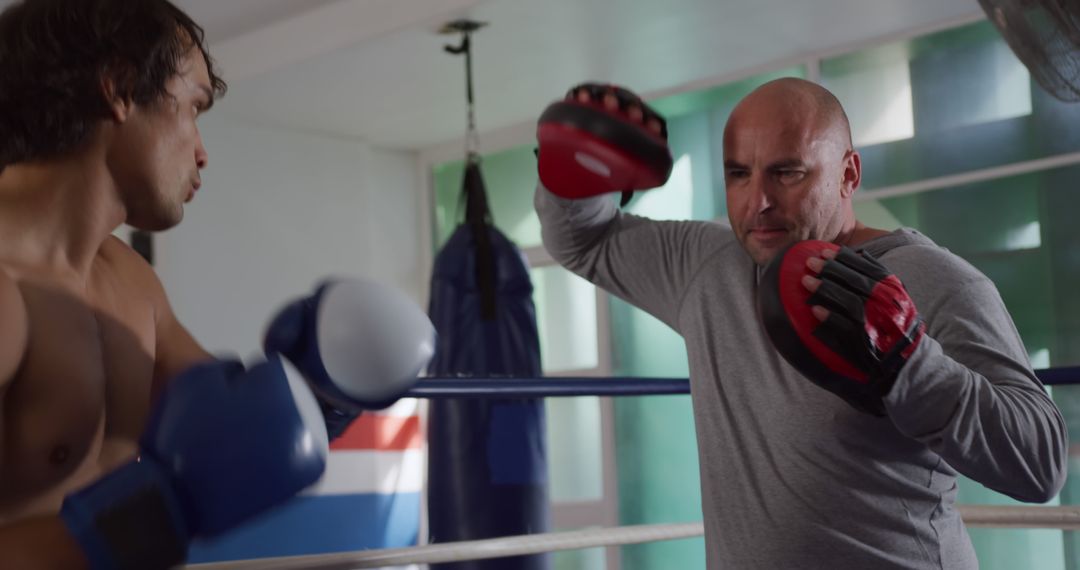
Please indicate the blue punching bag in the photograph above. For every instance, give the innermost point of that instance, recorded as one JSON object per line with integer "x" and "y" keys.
{"x": 487, "y": 466}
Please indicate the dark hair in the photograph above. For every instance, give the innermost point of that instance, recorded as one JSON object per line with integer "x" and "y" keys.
{"x": 55, "y": 53}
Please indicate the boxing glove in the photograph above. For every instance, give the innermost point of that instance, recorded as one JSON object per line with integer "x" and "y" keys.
{"x": 361, "y": 345}
{"x": 222, "y": 445}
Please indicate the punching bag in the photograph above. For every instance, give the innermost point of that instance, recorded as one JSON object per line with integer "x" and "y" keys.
{"x": 487, "y": 466}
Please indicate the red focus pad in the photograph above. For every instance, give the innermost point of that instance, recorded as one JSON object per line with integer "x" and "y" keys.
{"x": 587, "y": 149}
{"x": 784, "y": 304}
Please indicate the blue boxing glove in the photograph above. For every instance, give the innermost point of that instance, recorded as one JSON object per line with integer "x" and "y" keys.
{"x": 361, "y": 345}
{"x": 221, "y": 446}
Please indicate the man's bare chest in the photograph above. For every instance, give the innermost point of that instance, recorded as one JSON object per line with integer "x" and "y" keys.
{"x": 82, "y": 393}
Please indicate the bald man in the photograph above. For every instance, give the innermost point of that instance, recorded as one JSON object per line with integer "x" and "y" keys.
{"x": 793, "y": 476}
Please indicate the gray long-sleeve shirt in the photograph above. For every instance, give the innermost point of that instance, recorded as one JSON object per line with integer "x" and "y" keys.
{"x": 791, "y": 475}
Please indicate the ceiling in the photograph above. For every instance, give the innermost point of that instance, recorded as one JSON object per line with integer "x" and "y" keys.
{"x": 224, "y": 19}
{"x": 375, "y": 70}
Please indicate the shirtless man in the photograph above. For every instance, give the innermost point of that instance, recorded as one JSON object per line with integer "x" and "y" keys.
{"x": 98, "y": 127}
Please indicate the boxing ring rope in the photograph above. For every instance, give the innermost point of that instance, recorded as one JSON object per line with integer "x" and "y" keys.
{"x": 470, "y": 549}
{"x": 1065, "y": 518}
{"x": 555, "y": 387}
{"x": 548, "y": 387}
{"x": 1016, "y": 517}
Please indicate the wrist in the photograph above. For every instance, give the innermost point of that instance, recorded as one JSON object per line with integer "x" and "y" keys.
{"x": 337, "y": 419}
{"x": 130, "y": 518}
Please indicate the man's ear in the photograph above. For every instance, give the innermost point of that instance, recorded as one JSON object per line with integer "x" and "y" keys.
{"x": 851, "y": 174}
{"x": 119, "y": 104}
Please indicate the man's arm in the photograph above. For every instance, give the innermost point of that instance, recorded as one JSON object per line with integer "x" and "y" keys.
{"x": 969, "y": 393}
{"x": 603, "y": 140}
{"x": 175, "y": 349}
{"x": 645, "y": 262}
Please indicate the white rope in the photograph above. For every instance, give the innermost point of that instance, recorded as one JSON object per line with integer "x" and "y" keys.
{"x": 1062, "y": 518}
{"x": 1065, "y": 518}
{"x": 470, "y": 550}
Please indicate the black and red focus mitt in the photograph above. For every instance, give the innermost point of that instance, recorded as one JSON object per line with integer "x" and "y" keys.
{"x": 871, "y": 330}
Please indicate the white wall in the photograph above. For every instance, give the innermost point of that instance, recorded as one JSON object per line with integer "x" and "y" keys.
{"x": 278, "y": 210}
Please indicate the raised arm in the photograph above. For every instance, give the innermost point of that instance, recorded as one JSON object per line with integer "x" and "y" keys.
{"x": 646, "y": 262}
{"x": 600, "y": 141}
{"x": 175, "y": 350}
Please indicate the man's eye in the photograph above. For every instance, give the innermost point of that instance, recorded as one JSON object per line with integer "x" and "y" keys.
{"x": 732, "y": 173}
{"x": 789, "y": 175}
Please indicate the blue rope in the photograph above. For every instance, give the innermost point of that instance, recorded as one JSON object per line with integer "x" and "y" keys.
{"x": 561, "y": 386}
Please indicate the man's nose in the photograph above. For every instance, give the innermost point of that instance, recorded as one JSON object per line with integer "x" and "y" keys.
{"x": 762, "y": 198}
{"x": 201, "y": 156}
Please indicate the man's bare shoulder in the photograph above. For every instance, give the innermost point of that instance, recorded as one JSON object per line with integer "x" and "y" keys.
{"x": 114, "y": 250}
{"x": 130, "y": 267}
{"x": 176, "y": 349}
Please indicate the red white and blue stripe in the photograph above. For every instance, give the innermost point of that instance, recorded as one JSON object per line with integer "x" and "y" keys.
{"x": 369, "y": 497}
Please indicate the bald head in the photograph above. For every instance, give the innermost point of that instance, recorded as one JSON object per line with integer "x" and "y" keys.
{"x": 793, "y": 103}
